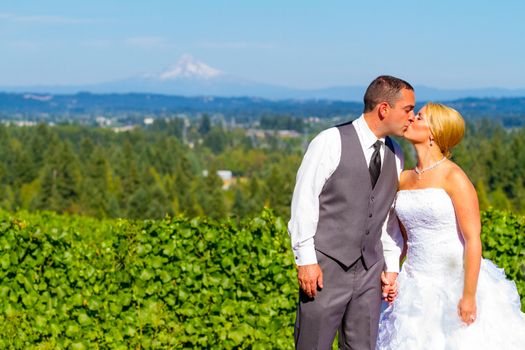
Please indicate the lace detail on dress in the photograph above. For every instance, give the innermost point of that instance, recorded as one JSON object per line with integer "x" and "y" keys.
{"x": 434, "y": 239}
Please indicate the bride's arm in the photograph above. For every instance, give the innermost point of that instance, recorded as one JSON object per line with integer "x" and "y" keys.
{"x": 405, "y": 240}
{"x": 466, "y": 206}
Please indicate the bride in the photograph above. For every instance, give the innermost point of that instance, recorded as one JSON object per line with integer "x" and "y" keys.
{"x": 448, "y": 296}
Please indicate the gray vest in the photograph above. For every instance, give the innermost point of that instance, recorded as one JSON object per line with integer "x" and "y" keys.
{"x": 351, "y": 213}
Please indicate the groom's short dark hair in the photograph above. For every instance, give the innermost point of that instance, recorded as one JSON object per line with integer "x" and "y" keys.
{"x": 384, "y": 88}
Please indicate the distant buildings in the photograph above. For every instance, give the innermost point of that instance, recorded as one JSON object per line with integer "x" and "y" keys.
{"x": 103, "y": 121}
{"x": 259, "y": 133}
{"x": 225, "y": 175}
{"x": 19, "y": 122}
{"x": 124, "y": 128}
{"x": 288, "y": 133}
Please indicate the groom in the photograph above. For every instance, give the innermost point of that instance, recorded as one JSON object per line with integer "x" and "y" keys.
{"x": 342, "y": 235}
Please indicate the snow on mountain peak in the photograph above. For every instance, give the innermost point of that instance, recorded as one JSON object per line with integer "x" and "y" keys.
{"x": 188, "y": 67}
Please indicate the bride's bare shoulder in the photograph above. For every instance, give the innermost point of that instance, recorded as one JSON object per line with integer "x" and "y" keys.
{"x": 453, "y": 172}
{"x": 456, "y": 180}
{"x": 404, "y": 178}
{"x": 404, "y": 174}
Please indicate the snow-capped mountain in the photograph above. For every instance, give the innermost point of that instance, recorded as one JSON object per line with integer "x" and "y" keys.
{"x": 191, "y": 77}
{"x": 189, "y": 68}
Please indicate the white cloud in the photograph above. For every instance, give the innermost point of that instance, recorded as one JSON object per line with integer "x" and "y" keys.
{"x": 44, "y": 19}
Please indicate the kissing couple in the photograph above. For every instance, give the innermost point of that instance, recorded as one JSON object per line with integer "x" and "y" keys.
{"x": 356, "y": 214}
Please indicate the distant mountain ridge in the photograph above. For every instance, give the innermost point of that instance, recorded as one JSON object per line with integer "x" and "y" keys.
{"x": 88, "y": 103}
{"x": 190, "y": 77}
{"x": 229, "y": 87}
{"x": 511, "y": 111}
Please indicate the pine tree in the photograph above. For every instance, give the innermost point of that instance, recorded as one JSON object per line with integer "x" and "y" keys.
{"x": 205, "y": 124}
{"x": 127, "y": 173}
{"x": 211, "y": 197}
{"x": 279, "y": 190}
{"x": 482, "y": 196}
{"x": 138, "y": 204}
{"x": 500, "y": 200}
{"x": 240, "y": 206}
{"x": 95, "y": 196}
{"x": 59, "y": 180}
{"x": 183, "y": 186}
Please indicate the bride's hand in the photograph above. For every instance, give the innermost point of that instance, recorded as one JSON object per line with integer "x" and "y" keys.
{"x": 467, "y": 310}
{"x": 389, "y": 286}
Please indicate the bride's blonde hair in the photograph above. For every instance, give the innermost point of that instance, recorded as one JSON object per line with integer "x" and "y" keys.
{"x": 446, "y": 125}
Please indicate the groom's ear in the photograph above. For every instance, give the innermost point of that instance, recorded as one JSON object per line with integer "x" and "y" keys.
{"x": 383, "y": 109}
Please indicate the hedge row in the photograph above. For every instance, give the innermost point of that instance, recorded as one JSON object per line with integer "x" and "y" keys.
{"x": 79, "y": 283}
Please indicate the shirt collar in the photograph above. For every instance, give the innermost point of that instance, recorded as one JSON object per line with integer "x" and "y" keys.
{"x": 368, "y": 138}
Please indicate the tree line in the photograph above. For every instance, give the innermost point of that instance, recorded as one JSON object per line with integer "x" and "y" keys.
{"x": 170, "y": 168}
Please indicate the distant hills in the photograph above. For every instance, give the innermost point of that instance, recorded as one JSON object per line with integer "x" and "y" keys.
{"x": 190, "y": 77}
{"x": 510, "y": 111}
{"x": 193, "y": 87}
{"x": 88, "y": 103}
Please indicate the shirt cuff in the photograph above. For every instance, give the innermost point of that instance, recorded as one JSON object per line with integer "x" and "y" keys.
{"x": 392, "y": 264}
{"x": 305, "y": 256}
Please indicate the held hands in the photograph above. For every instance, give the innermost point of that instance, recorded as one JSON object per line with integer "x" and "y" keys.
{"x": 467, "y": 310}
{"x": 389, "y": 286}
{"x": 310, "y": 276}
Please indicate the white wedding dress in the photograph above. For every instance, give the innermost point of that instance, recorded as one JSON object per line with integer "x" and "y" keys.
{"x": 424, "y": 315}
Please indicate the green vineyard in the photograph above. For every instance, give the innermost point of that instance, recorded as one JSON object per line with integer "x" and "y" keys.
{"x": 69, "y": 282}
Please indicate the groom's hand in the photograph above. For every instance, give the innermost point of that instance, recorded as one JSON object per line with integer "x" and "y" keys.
{"x": 310, "y": 276}
{"x": 389, "y": 285}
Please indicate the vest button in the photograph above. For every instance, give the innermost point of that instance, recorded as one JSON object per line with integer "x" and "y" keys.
{"x": 369, "y": 215}
{"x": 367, "y": 232}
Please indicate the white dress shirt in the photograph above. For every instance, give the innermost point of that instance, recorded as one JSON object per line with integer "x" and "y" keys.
{"x": 319, "y": 163}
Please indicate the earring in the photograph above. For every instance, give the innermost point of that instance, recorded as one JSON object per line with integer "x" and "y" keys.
{"x": 431, "y": 142}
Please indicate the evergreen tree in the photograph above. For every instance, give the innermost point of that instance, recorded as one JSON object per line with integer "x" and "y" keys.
{"x": 205, "y": 124}
{"x": 255, "y": 196}
{"x": 240, "y": 206}
{"x": 127, "y": 172}
{"x": 278, "y": 190}
{"x": 160, "y": 204}
{"x": 500, "y": 200}
{"x": 138, "y": 204}
{"x": 211, "y": 197}
{"x": 216, "y": 140}
{"x": 482, "y": 196}
{"x": 95, "y": 196}
{"x": 183, "y": 186}
{"x": 39, "y": 141}
{"x": 8, "y": 197}
{"x": 59, "y": 190}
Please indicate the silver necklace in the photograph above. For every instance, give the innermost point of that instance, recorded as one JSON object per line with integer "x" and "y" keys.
{"x": 419, "y": 172}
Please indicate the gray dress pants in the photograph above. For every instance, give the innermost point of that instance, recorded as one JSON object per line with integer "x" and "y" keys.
{"x": 349, "y": 302}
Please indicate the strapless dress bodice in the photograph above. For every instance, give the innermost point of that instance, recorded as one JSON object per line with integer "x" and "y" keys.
{"x": 435, "y": 242}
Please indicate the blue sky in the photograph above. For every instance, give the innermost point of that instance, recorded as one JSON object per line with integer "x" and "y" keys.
{"x": 305, "y": 44}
